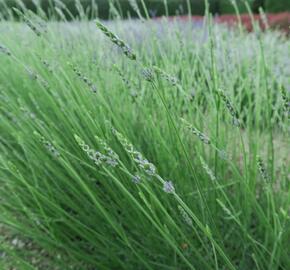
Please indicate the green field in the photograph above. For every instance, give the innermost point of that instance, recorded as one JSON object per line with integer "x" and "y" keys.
{"x": 143, "y": 145}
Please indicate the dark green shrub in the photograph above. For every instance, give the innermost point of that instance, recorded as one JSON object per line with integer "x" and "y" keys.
{"x": 277, "y": 5}
{"x": 226, "y": 7}
{"x": 257, "y": 4}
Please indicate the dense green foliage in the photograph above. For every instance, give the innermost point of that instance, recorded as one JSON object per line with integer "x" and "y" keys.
{"x": 277, "y": 6}
{"x": 164, "y": 148}
{"x": 226, "y": 6}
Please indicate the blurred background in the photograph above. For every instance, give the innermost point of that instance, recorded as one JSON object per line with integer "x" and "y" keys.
{"x": 276, "y": 12}
{"x": 104, "y": 8}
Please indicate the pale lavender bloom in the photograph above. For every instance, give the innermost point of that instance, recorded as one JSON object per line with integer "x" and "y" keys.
{"x": 136, "y": 179}
{"x": 148, "y": 167}
{"x": 168, "y": 187}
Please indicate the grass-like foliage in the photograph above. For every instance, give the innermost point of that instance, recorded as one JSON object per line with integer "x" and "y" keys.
{"x": 144, "y": 145}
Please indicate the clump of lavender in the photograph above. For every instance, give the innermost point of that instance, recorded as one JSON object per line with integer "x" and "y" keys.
{"x": 231, "y": 109}
{"x": 185, "y": 216}
{"x": 168, "y": 187}
{"x": 142, "y": 162}
{"x": 207, "y": 169}
{"x": 262, "y": 169}
{"x": 116, "y": 40}
{"x": 86, "y": 80}
{"x": 196, "y": 132}
{"x": 96, "y": 156}
{"x": 5, "y": 50}
{"x": 47, "y": 144}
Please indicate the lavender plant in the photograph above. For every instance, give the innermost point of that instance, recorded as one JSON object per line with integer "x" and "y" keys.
{"x": 104, "y": 198}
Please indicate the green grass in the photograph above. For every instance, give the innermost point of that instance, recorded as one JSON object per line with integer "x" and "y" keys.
{"x": 203, "y": 107}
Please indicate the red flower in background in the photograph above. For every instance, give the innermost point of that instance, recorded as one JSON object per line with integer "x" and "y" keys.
{"x": 276, "y": 21}
{"x": 279, "y": 21}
